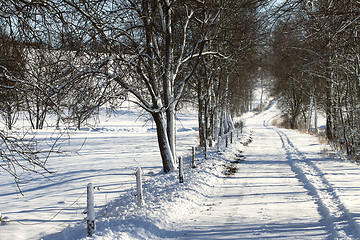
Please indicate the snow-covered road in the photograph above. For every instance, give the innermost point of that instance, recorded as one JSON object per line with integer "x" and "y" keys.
{"x": 278, "y": 192}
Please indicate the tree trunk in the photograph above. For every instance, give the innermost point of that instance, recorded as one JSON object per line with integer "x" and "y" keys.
{"x": 221, "y": 129}
{"x": 216, "y": 123}
{"x": 230, "y": 121}
{"x": 329, "y": 114}
{"x": 168, "y": 81}
{"x": 9, "y": 117}
{"x": 171, "y": 128}
{"x": 164, "y": 146}
{"x": 308, "y": 122}
{"x": 315, "y": 116}
{"x": 206, "y": 118}
{"x": 201, "y": 121}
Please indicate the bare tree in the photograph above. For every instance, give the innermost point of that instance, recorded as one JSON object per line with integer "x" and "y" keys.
{"x": 21, "y": 153}
{"x": 224, "y": 85}
{"x": 149, "y": 48}
{"x": 12, "y": 61}
{"x": 325, "y": 65}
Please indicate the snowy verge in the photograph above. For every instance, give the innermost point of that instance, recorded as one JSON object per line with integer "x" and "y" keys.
{"x": 167, "y": 202}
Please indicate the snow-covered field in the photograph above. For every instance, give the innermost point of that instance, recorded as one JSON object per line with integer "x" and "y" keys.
{"x": 284, "y": 189}
{"x": 107, "y": 157}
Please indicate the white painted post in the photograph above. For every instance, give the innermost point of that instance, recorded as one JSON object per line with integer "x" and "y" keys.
{"x": 140, "y": 198}
{"x": 90, "y": 210}
{"x": 193, "y": 164}
{"x": 181, "y": 170}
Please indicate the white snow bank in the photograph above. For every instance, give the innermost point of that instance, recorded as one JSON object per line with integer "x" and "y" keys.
{"x": 167, "y": 202}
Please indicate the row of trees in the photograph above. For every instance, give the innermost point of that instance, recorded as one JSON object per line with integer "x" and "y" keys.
{"x": 37, "y": 81}
{"x": 316, "y": 64}
{"x": 70, "y": 57}
{"x": 224, "y": 86}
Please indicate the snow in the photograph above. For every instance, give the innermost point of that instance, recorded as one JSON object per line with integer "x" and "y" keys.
{"x": 286, "y": 187}
{"x": 107, "y": 157}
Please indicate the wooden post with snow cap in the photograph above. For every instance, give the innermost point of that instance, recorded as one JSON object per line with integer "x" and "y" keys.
{"x": 139, "y": 195}
{"x": 193, "y": 164}
{"x": 181, "y": 170}
{"x": 90, "y": 210}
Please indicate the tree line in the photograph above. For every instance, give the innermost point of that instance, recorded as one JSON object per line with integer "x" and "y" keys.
{"x": 70, "y": 57}
{"x": 315, "y": 61}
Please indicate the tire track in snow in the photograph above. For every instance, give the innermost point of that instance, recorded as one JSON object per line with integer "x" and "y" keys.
{"x": 336, "y": 217}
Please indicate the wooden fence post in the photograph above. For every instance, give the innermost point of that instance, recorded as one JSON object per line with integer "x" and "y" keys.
{"x": 231, "y": 136}
{"x": 140, "y": 198}
{"x": 227, "y": 139}
{"x": 90, "y": 210}
{"x": 193, "y": 164}
{"x": 181, "y": 170}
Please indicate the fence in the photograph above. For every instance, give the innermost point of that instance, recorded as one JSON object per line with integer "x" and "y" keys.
{"x": 90, "y": 191}
{"x": 90, "y": 210}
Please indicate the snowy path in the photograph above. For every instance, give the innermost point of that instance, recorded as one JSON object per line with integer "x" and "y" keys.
{"x": 333, "y": 212}
{"x": 277, "y": 193}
